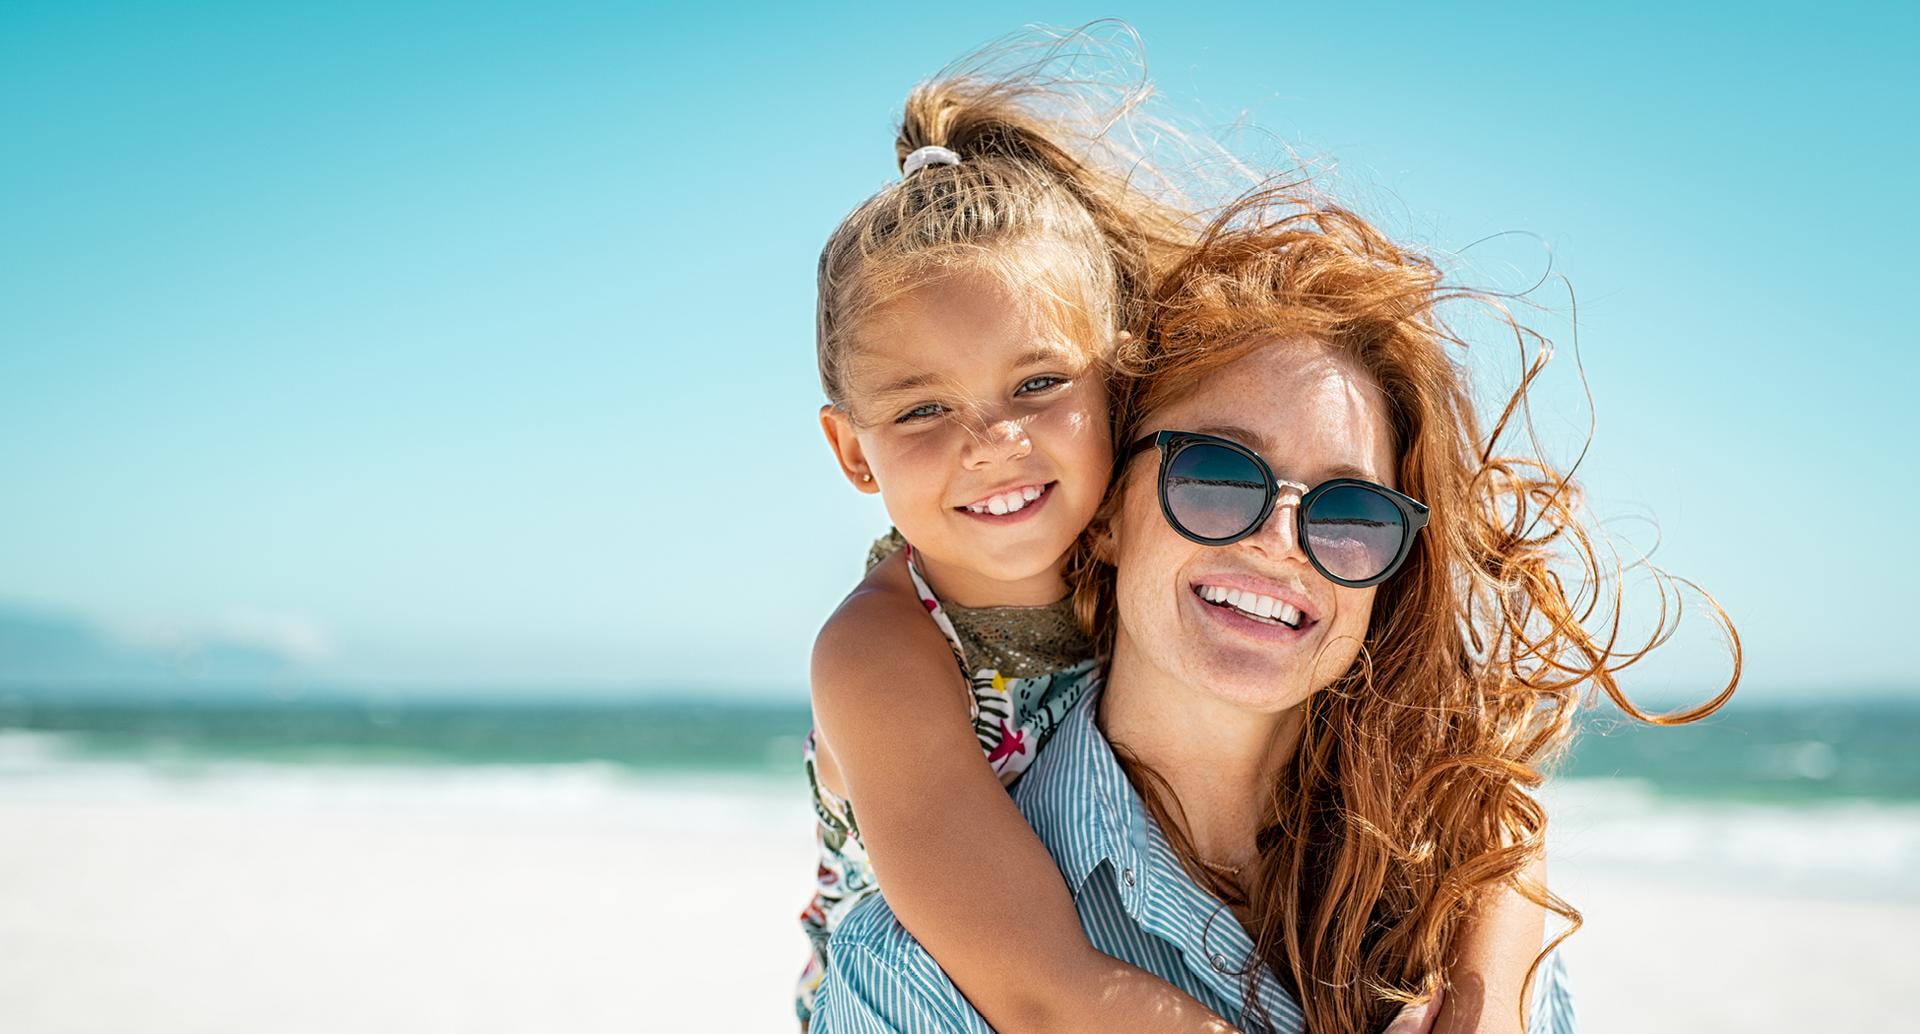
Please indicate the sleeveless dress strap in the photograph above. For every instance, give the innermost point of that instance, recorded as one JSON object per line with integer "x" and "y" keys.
{"x": 937, "y": 613}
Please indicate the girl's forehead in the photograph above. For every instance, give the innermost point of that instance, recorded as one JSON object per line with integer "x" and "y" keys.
{"x": 959, "y": 326}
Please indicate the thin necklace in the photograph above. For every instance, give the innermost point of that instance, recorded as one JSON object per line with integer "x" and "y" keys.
{"x": 1230, "y": 870}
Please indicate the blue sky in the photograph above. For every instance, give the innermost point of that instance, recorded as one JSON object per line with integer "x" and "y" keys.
{"x": 472, "y": 345}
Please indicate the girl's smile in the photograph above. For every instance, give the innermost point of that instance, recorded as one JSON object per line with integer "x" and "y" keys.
{"x": 1010, "y": 505}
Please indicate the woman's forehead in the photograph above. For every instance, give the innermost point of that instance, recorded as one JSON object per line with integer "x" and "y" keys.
{"x": 1301, "y": 404}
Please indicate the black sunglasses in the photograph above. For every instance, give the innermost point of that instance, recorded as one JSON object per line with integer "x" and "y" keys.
{"x": 1216, "y": 492}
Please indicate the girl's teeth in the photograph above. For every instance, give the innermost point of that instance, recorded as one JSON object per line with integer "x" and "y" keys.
{"x": 1007, "y": 502}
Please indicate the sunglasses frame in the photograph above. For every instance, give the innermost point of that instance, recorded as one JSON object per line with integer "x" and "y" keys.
{"x": 1171, "y": 443}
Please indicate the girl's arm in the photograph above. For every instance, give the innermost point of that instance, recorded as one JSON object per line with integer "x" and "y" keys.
{"x": 1488, "y": 970}
{"x": 959, "y": 865}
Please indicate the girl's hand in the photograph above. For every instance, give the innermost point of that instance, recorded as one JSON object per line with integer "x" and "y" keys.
{"x": 1417, "y": 1019}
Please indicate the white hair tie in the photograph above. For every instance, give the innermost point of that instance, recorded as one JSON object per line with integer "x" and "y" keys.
{"x": 929, "y": 155}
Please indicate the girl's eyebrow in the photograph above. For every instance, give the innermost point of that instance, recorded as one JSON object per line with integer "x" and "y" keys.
{"x": 1032, "y": 357}
{"x": 918, "y": 380}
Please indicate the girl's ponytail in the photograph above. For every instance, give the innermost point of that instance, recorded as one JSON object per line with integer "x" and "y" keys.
{"x": 1027, "y": 190}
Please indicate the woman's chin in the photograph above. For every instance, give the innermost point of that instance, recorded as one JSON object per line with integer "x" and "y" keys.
{"x": 1255, "y": 688}
{"x": 1248, "y": 679}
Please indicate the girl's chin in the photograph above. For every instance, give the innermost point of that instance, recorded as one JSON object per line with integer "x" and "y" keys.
{"x": 1010, "y": 565}
{"x": 1012, "y": 558}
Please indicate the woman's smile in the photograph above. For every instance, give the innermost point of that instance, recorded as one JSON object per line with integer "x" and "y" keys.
{"x": 1239, "y": 599}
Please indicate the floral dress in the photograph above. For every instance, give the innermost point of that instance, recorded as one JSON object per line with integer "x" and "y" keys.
{"x": 1025, "y": 668}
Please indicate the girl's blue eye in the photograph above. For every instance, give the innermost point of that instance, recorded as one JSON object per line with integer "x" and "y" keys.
{"x": 920, "y": 412}
{"x": 1040, "y": 383}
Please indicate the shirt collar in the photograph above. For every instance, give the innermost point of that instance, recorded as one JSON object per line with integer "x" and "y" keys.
{"x": 1085, "y": 810}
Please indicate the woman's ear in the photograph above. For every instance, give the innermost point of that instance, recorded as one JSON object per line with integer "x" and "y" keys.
{"x": 846, "y": 448}
{"x": 1103, "y": 532}
{"x": 1105, "y": 547}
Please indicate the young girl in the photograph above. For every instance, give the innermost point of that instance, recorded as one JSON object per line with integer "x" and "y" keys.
{"x": 965, "y": 313}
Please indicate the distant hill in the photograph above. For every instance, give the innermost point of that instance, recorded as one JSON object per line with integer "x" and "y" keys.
{"x": 40, "y": 648}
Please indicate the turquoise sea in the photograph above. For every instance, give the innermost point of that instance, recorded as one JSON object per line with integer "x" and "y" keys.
{"x": 1820, "y": 796}
{"x": 1861, "y": 749}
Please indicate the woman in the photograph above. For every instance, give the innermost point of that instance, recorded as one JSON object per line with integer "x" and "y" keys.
{"x": 1338, "y": 656}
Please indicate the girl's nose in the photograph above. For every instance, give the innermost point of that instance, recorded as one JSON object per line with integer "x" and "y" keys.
{"x": 1002, "y": 441}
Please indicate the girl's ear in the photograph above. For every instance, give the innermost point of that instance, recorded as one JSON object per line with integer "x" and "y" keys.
{"x": 846, "y": 449}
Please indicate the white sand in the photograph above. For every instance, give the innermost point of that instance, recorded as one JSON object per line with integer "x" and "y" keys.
{"x": 214, "y": 917}
{"x": 210, "y": 913}
{"x": 1688, "y": 957}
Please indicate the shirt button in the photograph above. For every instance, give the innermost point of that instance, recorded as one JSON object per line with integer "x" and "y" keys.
{"x": 1219, "y": 961}
{"x": 1126, "y": 877}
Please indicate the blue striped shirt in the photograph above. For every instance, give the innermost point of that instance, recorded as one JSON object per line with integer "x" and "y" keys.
{"x": 1136, "y": 902}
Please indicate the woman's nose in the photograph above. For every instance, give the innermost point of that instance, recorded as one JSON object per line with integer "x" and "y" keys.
{"x": 1280, "y": 535}
{"x": 999, "y": 442}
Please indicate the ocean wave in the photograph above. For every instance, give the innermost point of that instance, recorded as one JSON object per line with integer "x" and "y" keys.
{"x": 62, "y": 766}
{"x": 1850, "y": 846}
{"x": 1847, "y": 847}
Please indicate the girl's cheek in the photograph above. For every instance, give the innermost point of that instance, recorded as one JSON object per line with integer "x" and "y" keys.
{"x": 1084, "y": 435}
{"x": 916, "y": 464}
{"x": 1080, "y": 418}
{"x": 930, "y": 445}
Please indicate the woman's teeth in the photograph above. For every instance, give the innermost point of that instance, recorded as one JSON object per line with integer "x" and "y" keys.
{"x": 1253, "y": 605}
{"x": 1007, "y": 502}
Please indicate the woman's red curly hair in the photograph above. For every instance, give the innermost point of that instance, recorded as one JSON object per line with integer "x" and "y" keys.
{"x": 1410, "y": 796}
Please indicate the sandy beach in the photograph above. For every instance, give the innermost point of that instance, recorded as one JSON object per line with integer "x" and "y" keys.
{"x": 217, "y": 910}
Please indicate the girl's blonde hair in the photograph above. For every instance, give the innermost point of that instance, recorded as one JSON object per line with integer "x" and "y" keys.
{"x": 1027, "y": 202}
{"x": 1409, "y": 797}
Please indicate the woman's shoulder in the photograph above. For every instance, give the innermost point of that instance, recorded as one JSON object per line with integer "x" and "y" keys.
{"x": 880, "y": 978}
{"x": 871, "y": 926}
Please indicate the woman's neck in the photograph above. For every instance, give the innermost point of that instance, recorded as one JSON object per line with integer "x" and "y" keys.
{"x": 1222, "y": 761}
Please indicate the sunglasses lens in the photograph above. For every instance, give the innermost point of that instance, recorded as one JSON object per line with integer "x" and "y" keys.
{"x": 1214, "y": 492}
{"x": 1355, "y": 532}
